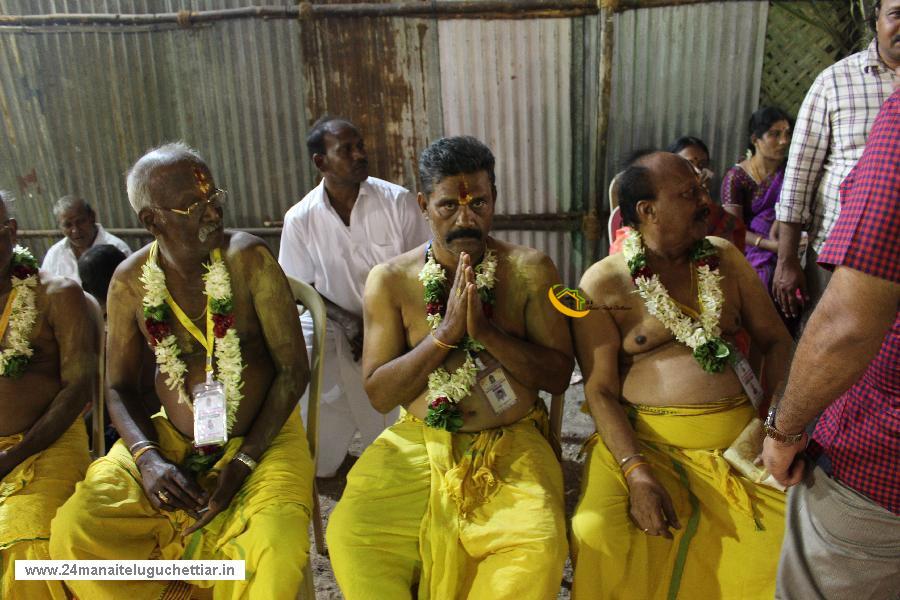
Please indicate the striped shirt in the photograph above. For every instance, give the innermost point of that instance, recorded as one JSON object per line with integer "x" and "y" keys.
{"x": 829, "y": 138}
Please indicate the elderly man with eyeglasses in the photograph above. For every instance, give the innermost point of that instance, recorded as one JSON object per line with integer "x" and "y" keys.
{"x": 224, "y": 471}
{"x": 48, "y": 363}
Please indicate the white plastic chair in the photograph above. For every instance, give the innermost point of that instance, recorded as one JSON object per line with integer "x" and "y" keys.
{"x": 309, "y": 298}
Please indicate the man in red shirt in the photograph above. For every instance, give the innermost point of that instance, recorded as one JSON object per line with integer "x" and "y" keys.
{"x": 842, "y": 538}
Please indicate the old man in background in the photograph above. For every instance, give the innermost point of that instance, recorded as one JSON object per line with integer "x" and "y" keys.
{"x": 78, "y": 223}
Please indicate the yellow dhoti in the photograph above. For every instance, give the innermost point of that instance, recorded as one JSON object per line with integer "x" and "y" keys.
{"x": 731, "y": 528}
{"x": 110, "y": 517}
{"x": 29, "y": 497}
{"x": 465, "y": 515}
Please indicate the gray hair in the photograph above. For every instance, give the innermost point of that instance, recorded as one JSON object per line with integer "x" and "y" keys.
{"x": 69, "y": 202}
{"x": 139, "y": 176}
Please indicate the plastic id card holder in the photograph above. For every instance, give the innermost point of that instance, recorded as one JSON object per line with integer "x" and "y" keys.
{"x": 748, "y": 378}
{"x": 210, "y": 423}
{"x": 495, "y": 385}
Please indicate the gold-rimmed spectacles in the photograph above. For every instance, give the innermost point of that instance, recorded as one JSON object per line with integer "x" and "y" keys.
{"x": 217, "y": 198}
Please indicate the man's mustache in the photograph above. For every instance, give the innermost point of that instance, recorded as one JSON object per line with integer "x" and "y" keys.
{"x": 463, "y": 233}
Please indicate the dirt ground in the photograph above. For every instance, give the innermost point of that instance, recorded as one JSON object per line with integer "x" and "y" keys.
{"x": 576, "y": 428}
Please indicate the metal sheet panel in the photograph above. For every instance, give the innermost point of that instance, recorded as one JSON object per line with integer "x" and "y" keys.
{"x": 686, "y": 70}
{"x": 382, "y": 74}
{"x": 80, "y": 105}
{"x": 509, "y": 84}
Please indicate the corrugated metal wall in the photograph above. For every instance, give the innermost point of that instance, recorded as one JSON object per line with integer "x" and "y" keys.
{"x": 508, "y": 83}
{"x": 80, "y": 104}
{"x": 686, "y": 70}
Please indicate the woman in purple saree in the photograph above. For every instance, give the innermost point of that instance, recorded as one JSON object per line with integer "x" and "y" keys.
{"x": 751, "y": 188}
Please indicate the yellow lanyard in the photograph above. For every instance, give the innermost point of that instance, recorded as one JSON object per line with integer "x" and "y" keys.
{"x": 205, "y": 341}
{"x": 7, "y": 312}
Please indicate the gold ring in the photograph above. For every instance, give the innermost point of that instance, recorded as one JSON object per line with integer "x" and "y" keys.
{"x": 459, "y": 292}
{"x": 163, "y": 496}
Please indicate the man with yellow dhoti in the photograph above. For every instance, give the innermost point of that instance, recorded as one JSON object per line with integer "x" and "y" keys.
{"x": 224, "y": 471}
{"x": 48, "y": 365}
{"x": 463, "y": 496}
{"x": 663, "y": 513}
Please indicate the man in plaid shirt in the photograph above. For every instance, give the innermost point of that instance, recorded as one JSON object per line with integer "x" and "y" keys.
{"x": 842, "y": 538}
{"x": 828, "y": 139}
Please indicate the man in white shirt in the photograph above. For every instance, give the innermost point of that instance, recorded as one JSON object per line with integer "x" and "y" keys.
{"x": 78, "y": 222}
{"x": 331, "y": 239}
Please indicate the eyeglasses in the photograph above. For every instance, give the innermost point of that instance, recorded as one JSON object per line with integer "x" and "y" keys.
{"x": 217, "y": 198}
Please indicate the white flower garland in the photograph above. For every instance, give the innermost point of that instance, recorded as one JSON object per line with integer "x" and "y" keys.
{"x": 226, "y": 348}
{"x": 686, "y": 330}
{"x": 456, "y": 386}
{"x": 23, "y": 314}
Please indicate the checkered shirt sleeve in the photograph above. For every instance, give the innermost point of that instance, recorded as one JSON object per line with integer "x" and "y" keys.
{"x": 829, "y": 137}
{"x": 866, "y": 237}
{"x": 860, "y": 431}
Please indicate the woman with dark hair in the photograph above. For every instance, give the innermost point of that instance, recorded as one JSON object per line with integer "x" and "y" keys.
{"x": 751, "y": 188}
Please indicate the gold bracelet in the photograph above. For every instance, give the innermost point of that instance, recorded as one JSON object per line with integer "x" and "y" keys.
{"x": 133, "y": 448}
{"x": 758, "y": 241}
{"x": 440, "y": 344}
{"x": 633, "y": 467}
{"x": 629, "y": 457}
{"x": 141, "y": 452}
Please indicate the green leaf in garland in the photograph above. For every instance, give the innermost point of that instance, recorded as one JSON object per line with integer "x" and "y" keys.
{"x": 15, "y": 366}
{"x": 713, "y": 355}
{"x": 702, "y": 249}
{"x": 639, "y": 261}
{"x": 222, "y": 307}
{"x": 201, "y": 463}
{"x": 157, "y": 313}
{"x": 447, "y": 416}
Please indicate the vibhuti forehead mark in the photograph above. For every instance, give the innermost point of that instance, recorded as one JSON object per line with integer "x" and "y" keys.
{"x": 464, "y": 196}
{"x": 202, "y": 179}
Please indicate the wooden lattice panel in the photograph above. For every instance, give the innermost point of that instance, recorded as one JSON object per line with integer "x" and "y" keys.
{"x": 803, "y": 38}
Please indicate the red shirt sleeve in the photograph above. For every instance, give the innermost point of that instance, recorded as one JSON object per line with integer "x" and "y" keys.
{"x": 866, "y": 236}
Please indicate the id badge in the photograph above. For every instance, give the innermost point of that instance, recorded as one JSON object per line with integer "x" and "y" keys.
{"x": 748, "y": 379}
{"x": 209, "y": 414}
{"x": 495, "y": 385}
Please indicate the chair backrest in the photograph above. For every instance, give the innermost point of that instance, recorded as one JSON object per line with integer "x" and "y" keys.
{"x": 307, "y": 295}
{"x": 614, "y": 193}
{"x": 98, "y": 420}
{"x": 615, "y": 221}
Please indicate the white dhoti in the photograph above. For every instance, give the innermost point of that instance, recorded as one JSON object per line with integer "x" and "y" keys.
{"x": 344, "y": 407}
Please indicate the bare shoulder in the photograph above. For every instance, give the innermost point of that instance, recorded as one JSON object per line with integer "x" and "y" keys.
{"x": 528, "y": 264}
{"x": 606, "y": 277}
{"x": 60, "y": 289}
{"x": 126, "y": 277}
{"x": 398, "y": 271}
{"x": 404, "y": 264}
{"x": 243, "y": 248}
{"x": 731, "y": 259}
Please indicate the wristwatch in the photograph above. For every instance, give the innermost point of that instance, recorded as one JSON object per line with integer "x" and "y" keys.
{"x": 774, "y": 433}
